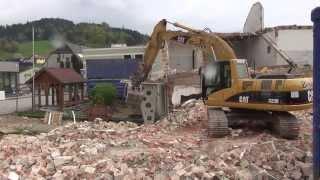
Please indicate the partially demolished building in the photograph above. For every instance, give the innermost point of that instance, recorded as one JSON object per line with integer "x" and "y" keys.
{"x": 259, "y": 45}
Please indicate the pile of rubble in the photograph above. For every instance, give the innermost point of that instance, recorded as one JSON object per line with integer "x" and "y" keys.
{"x": 173, "y": 148}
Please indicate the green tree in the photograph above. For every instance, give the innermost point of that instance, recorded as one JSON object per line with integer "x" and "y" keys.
{"x": 104, "y": 93}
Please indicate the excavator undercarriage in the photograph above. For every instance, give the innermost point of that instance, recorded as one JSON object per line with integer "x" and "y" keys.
{"x": 283, "y": 124}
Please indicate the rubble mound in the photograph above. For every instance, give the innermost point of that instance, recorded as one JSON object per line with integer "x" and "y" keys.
{"x": 175, "y": 147}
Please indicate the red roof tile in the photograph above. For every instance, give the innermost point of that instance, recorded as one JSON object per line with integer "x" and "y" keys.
{"x": 63, "y": 75}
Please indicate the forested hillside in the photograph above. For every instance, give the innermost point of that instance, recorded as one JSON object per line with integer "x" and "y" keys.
{"x": 51, "y": 29}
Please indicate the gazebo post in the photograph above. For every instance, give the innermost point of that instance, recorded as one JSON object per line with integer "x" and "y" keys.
{"x": 74, "y": 92}
{"x": 57, "y": 89}
{"x": 82, "y": 92}
{"x": 52, "y": 95}
{"x": 61, "y": 94}
{"x": 46, "y": 92}
{"x": 70, "y": 91}
{"x": 39, "y": 95}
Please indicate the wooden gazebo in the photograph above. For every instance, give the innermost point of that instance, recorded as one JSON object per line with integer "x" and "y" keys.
{"x": 54, "y": 81}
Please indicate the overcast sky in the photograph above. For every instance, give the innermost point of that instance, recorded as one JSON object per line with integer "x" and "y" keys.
{"x": 142, "y": 15}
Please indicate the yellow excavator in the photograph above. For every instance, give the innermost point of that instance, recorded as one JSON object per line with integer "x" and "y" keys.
{"x": 227, "y": 84}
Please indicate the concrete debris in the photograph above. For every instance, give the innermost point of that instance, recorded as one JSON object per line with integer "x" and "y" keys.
{"x": 189, "y": 104}
{"x": 175, "y": 147}
{"x": 62, "y": 160}
{"x": 13, "y": 176}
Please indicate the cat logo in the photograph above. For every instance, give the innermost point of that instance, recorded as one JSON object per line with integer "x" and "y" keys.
{"x": 244, "y": 99}
{"x": 181, "y": 39}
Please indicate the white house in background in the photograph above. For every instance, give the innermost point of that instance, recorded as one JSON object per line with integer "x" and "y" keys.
{"x": 65, "y": 56}
{"x": 14, "y": 74}
{"x": 118, "y": 45}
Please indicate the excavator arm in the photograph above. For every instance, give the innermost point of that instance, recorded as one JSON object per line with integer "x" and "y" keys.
{"x": 211, "y": 44}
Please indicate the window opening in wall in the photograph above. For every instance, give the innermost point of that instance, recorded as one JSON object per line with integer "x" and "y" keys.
{"x": 193, "y": 59}
{"x": 138, "y": 56}
{"x": 61, "y": 64}
{"x": 1, "y": 81}
{"x": 128, "y": 56}
{"x": 68, "y": 63}
{"x": 269, "y": 49}
{"x": 58, "y": 58}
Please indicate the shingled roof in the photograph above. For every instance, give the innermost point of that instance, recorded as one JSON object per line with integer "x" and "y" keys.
{"x": 62, "y": 75}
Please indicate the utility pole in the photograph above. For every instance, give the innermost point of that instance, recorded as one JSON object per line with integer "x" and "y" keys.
{"x": 315, "y": 17}
{"x": 33, "y": 72}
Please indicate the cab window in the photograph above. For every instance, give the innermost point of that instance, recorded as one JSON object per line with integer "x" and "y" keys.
{"x": 242, "y": 71}
{"x": 217, "y": 76}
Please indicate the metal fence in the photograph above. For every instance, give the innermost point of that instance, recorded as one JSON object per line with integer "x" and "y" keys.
{"x": 18, "y": 100}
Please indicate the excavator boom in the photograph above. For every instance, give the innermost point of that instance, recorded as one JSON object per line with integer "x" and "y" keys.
{"x": 210, "y": 43}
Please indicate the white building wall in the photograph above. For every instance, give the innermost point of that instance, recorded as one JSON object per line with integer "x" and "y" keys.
{"x": 259, "y": 53}
{"x": 25, "y": 76}
{"x": 255, "y": 19}
{"x": 298, "y": 44}
{"x": 181, "y": 57}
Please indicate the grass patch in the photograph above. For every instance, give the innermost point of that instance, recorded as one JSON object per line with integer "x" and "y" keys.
{"x": 67, "y": 115}
{"x": 42, "y": 48}
{"x": 5, "y": 55}
{"x": 27, "y": 131}
{"x": 30, "y": 114}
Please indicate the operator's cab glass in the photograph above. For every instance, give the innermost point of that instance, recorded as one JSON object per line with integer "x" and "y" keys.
{"x": 215, "y": 76}
{"x": 242, "y": 69}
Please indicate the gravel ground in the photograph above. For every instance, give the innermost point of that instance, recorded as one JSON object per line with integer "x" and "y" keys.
{"x": 175, "y": 147}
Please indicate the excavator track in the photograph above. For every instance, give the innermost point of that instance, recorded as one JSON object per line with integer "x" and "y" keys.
{"x": 217, "y": 123}
{"x": 286, "y": 125}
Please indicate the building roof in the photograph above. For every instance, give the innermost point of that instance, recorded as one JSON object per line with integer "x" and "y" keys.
{"x": 65, "y": 75}
{"x": 65, "y": 49}
{"x": 68, "y": 48}
{"x": 62, "y": 75}
{"x": 242, "y": 35}
{"x": 111, "y": 53}
{"x": 9, "y": 66}
{"x": 288, "y": 27}
{"x": 235, "y": 35}
{"x": 23, "y": 65}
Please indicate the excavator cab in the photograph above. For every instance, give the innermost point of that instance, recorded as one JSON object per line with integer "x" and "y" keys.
{"x": 215, "y": 76}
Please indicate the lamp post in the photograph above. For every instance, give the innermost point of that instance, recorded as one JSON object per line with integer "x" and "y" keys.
{"x": 33, "y": 72}
{"x": 315, "y": 17}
